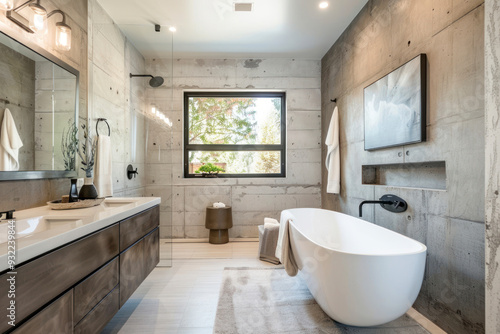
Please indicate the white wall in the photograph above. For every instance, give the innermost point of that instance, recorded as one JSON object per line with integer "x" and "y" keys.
{"x": 184, "y": 200}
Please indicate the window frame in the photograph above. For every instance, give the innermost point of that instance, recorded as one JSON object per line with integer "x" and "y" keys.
{"x": 235, "y": 148}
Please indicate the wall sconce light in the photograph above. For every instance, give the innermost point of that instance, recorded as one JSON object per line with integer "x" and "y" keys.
{"x": 37, "y": 23}
{"x": 39, "y": 17}
{"x": 63, "y": 32}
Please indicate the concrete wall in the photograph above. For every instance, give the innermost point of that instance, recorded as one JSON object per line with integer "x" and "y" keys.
{"x": 385, "y": 35}
{"x": 492, "y": 177}
{"x": 17, "y": 84}
{"x": 54, "y": 113}
{"x": 116, "y": 97}
{"x": 26, "y": 194}
{"x": 184, "y": 200}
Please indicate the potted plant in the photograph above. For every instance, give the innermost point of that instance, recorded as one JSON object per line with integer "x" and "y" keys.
{"x": 87, "y": 155}
{"x": 69, "y": 146}
{"x": 209, "y": 170}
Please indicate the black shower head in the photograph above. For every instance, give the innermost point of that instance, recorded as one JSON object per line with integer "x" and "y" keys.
{"x": 154, "y": 82}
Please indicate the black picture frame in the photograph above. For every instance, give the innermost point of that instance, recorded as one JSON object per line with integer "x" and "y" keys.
{"x": 395, "y": 107}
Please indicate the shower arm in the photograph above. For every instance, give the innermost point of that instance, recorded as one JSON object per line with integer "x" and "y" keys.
{"x": 141, "y": 75}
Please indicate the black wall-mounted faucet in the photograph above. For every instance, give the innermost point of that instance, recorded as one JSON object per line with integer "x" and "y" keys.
{"x": 391, "y": 203}
{"x": 131, "y": 172}
{"x": 8, "y": 214}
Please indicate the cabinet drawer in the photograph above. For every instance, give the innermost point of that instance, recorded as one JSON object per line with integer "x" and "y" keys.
{"x": 44, "y": 278}
{"x": 97, "y": 319}
{"x": 136, "y": 227}
{"x": 151, "y": 251}
{"x": 131, "y": 270}
{"x": 91, "y": 291}
{"x": 57, "y": 317}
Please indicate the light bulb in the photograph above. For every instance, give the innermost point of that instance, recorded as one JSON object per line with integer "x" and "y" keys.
{"x": 323, "y": 5}
{"x": 6, "y": 4}
{"x": 172, "y": 29}
{"x": 63, "y": 36}
{"x": 38, "y": 22}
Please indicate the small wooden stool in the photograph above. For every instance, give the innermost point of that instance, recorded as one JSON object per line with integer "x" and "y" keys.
{"x": 219, "y": 221}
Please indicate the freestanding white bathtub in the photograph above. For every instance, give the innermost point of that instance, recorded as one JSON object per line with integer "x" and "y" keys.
{"x": 360, "y": 274}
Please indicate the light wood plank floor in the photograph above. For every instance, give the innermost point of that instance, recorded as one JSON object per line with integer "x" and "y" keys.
{"x": 183, "y": 298}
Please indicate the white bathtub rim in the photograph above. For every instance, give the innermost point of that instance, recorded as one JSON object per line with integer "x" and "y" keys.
{"x": 422, "y": 250}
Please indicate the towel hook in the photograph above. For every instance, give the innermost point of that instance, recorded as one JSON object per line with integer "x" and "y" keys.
{"x": 5, "y": 101}
{"x": 97, "y": 124}
{"x": 334, "y": 100}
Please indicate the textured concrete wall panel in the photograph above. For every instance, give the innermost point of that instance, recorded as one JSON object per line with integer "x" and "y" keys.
{"x": 383, "y": 36}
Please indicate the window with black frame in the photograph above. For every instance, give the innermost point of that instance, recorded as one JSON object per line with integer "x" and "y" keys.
{"x": 234, "y": 134}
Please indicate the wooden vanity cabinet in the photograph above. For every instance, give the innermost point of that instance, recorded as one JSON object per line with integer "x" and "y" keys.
{"x": 45, "y": 278}
{"x": 92, "y": 275}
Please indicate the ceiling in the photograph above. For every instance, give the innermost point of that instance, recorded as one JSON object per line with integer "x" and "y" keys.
{"x": 211, "y": 29}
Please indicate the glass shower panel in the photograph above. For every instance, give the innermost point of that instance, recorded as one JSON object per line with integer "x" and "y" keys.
{"x": 161, "y": 120}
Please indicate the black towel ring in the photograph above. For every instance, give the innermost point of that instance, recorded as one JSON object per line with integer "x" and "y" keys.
{"x": 97, "y": 124}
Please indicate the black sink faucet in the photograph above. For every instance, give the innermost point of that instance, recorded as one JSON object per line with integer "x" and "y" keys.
{"x": 8, "y": 214}
{"x": 391, "y": 203}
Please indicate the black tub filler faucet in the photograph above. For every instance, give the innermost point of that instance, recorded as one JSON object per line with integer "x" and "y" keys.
{"x": 391, "y": 203}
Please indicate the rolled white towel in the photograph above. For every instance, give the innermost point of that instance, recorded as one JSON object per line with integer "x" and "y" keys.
{"x": 271, "y": 221}
{"x": 219, "y": 205}
{"x": 270, "y": 225}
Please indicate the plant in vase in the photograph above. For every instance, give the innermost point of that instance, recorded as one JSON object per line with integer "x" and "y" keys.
{"x": 87, "y": 155}
{"x": 69, "y": 146}
{"x": 209, "y": 170}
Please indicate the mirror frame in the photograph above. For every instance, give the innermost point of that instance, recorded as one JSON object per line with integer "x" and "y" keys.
{"x": 47, "y": 174}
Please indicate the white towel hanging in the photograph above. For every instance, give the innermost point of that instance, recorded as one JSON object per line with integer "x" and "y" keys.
{"x": 333, "y": 154}
{"x": 103, "y": 177}
{"x": 10, "y": 143}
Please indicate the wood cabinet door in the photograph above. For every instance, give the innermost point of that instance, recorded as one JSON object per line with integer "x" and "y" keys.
{"x": 94, "y": 288}
{"x": 99, "y": 317}
{"x": 131, "y": 270}
{"x": 57, "y": 317}
{"x": 151, "y": 251}
{"x": 136, "y": 227}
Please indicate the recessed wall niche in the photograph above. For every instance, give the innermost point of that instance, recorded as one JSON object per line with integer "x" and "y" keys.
{"x": 427, "y": 175}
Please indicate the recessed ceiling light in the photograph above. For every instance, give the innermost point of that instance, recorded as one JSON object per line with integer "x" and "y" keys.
{"x": 323, "y": 4}
{"x": 172, "y": 29}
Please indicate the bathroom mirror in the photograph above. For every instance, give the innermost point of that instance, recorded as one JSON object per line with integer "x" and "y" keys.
{"x": 38, "y": 113}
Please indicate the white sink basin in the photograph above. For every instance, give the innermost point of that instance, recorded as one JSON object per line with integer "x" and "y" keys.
{"x": 118, "y": 202}
{"x": 30, "y": 226}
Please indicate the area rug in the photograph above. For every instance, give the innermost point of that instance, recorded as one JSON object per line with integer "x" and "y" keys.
{"x": 267, "y": 300}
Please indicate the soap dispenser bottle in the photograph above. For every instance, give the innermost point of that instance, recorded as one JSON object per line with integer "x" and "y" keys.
{"x": 73, "y": 192}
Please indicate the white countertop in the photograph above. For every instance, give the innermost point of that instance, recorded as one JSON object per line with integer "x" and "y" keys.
{"x": 41, "y": 229}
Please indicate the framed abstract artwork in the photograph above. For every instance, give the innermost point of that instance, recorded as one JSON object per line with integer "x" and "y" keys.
{"x": 395, "y": 107}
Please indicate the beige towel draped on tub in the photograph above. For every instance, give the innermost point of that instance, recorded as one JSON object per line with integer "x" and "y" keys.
{"x": 284, "y": 249}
